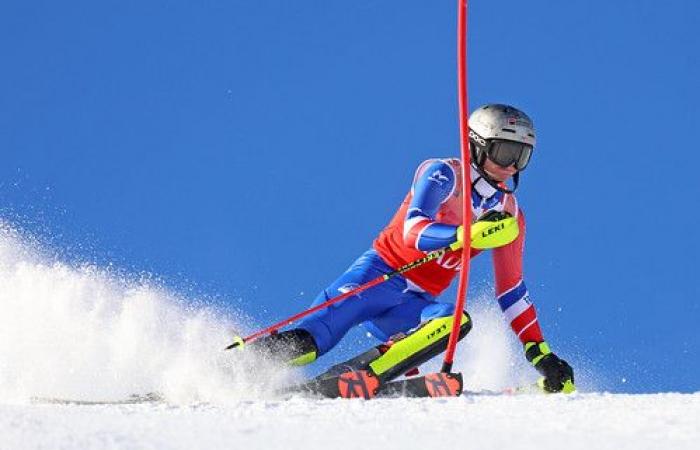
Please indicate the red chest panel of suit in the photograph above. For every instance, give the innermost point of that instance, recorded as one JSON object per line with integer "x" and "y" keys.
{"x": 435, "y": 276}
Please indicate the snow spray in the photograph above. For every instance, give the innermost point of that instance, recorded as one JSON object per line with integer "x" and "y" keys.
{"x": 84, "y": 332}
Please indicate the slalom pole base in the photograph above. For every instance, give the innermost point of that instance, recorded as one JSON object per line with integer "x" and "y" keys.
{"x": 446, "y": 367}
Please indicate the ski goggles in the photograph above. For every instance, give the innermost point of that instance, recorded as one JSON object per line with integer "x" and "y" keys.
{"x": 508, "y": 153}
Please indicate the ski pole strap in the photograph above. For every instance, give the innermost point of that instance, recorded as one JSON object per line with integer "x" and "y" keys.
{"x": 535, "y": 351}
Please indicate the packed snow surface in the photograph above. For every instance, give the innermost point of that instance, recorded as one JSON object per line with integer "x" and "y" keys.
{"x": 583, "y": 421}
{"x": 86, "y": 333}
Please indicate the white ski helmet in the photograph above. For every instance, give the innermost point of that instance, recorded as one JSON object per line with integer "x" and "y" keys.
{"x": 503, "y": 133}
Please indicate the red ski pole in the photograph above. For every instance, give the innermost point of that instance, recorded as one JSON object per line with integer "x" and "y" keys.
{"x": 380, "y": 279}
{"x": 466, "y": 163}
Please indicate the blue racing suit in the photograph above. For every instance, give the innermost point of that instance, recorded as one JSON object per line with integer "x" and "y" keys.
{"x": 386, "y": 309}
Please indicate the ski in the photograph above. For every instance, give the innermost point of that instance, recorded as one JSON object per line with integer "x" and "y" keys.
{"x": 430, "y": 385}
{"x": 349, "y": 384}
{"x": 536, "y": 388}
{"x": 365, "y": 385}
{"x": 529, "y": 389}
{"x": 151, "y": 397}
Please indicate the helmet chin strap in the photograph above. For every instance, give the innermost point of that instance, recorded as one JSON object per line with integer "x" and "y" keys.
{"x": 493, "y": 183}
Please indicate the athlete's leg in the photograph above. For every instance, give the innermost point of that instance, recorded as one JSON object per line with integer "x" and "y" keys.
{"x": 397, "y": 319}
{"x": 401, "y": 318}
{"x": 420, "y": 344}
{"x": 321, "y": 331}
{"x": 414, "y": 332}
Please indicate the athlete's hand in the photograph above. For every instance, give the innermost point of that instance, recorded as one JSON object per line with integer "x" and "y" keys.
{"x": 493, "y": 229}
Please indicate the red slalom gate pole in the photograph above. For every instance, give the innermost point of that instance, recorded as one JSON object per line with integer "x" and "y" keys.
{"x": 466, "y": 181}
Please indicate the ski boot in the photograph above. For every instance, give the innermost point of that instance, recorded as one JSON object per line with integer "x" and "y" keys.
{"x": 557, "y": 374}
{"x": 294, "y": 347}
{"x": 371, "y": 373}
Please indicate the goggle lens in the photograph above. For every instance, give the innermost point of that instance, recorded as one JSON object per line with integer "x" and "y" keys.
{"x": 508, "y": 153}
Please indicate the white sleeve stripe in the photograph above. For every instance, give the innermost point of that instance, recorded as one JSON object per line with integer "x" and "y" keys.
{"x": 412, "y": 223}
{"x": 527, "y": 326}
{"x": 454, "y": 183}
{"x": 420, "y": 234}
{"x": 516, "y": 309}
{"x": 507, "y": 291}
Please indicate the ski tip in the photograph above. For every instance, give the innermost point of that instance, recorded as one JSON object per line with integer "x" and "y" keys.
{"x": 237, "y": 342}
{"x": 150, "y": 397}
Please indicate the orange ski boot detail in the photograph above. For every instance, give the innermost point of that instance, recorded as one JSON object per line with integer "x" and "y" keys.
{"x": 358, "y": 384}
{"x": 443, "y": 385}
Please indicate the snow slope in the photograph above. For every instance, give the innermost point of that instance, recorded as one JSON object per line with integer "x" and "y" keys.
{"x": 86, "y": 333}
{"x": 584, "y": 421}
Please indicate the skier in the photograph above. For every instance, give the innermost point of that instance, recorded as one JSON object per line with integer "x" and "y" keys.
{"x": 403, "y": 312}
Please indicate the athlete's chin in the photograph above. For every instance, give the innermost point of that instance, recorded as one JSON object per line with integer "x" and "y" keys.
{"x": 499, "y": 177}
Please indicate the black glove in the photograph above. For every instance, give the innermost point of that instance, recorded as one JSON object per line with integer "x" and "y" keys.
{"x": 558, "y": 374}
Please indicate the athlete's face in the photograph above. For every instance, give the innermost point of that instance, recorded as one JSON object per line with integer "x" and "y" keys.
{"x": 497, "y": 172}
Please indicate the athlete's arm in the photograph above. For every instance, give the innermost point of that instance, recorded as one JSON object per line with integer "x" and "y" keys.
{"x": 513, "y": 298}
{"x": 511, "y": 292}
{"x": 432, "y": 187}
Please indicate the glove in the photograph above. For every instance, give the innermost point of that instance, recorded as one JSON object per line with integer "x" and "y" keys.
{"x": 493, "y": 229}
{"x": 557, "y": 374}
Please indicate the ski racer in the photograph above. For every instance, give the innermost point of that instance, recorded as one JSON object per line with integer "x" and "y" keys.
{"x": 403, "y": 312}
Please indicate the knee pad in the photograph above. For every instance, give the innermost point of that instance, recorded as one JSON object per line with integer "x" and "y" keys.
{"x": 436, "y": 310}
{"x": 419, "y": 346}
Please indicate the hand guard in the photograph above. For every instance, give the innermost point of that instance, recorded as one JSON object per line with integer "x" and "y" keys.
{"x": 493, "y": 229}
{"x": 558, "y": 376}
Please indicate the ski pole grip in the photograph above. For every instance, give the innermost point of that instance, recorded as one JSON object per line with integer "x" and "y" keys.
{"x": 237, "y": 342}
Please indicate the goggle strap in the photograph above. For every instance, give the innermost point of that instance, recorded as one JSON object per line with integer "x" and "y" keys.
{"x": 494, "y": 184}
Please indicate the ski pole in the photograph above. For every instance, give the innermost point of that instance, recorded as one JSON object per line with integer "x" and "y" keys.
{"x": 380, "y": 279}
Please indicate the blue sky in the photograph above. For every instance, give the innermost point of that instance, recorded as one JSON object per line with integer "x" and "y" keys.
{"x": 251, "y": 150}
